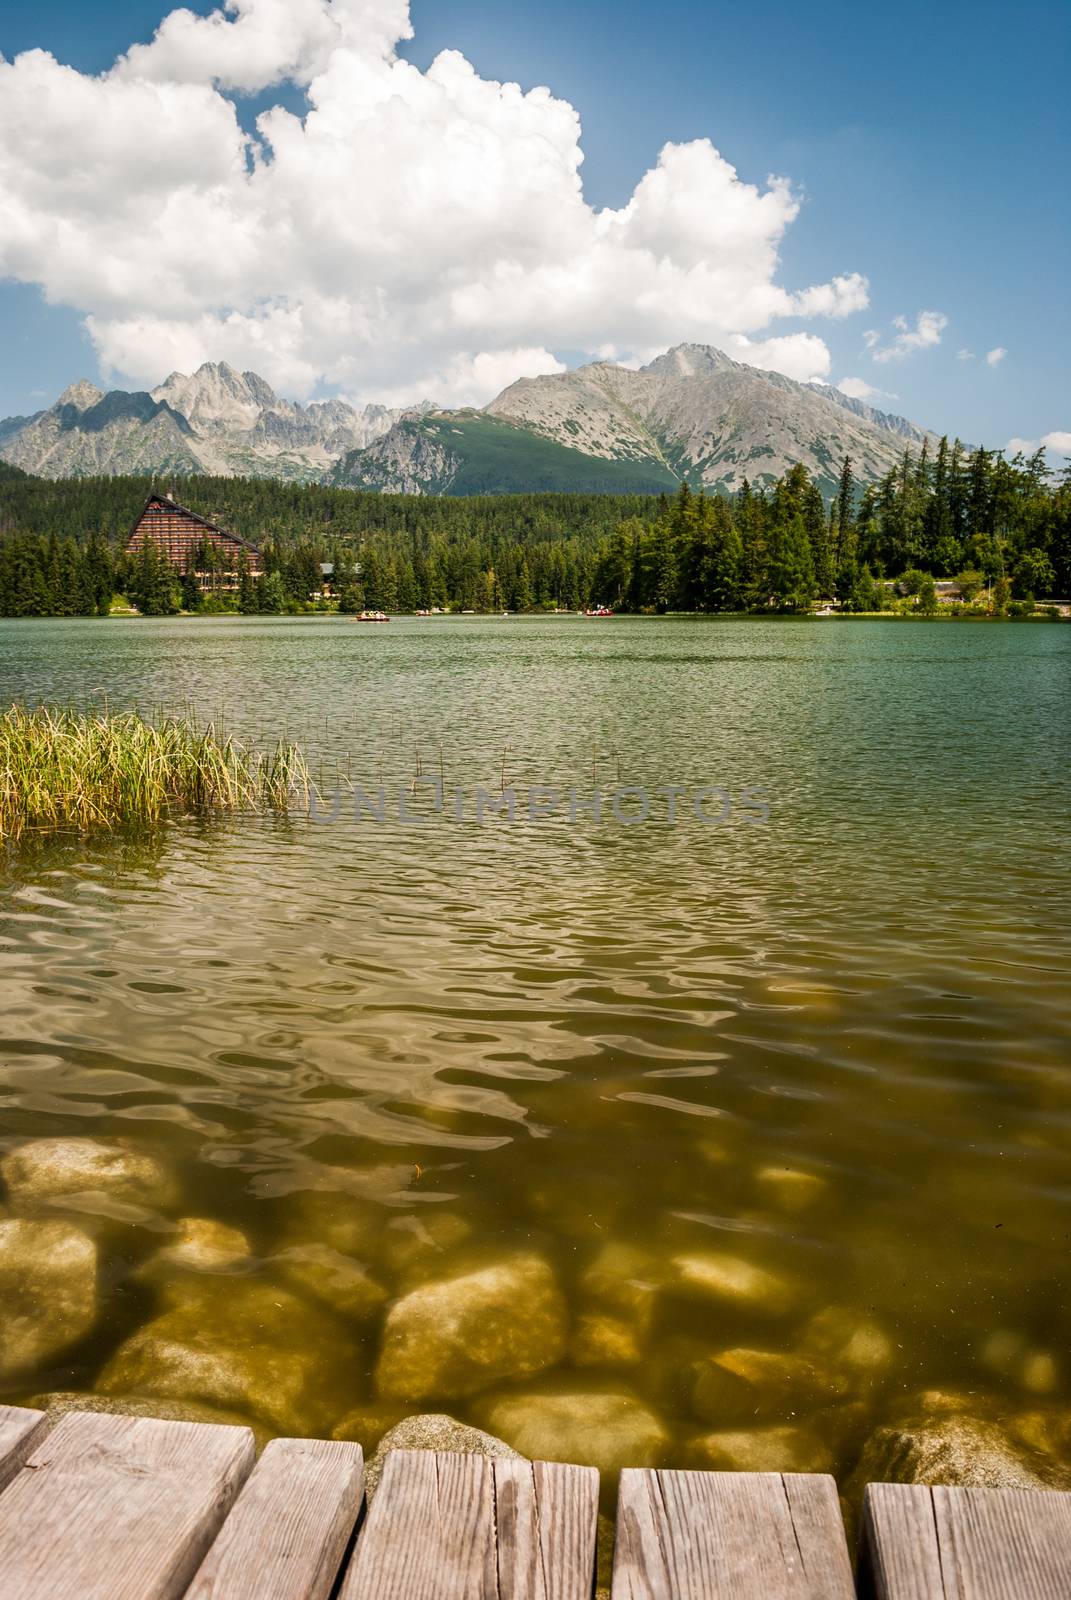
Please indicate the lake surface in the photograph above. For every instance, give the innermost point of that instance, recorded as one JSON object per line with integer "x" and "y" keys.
{"x": 833, "y": 1046}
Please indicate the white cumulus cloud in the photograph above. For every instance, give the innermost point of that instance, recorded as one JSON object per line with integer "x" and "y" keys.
{"x": 927, "y": 331}
{"x": 995, "y": 357}
{"x": 414, "y": 233}
{"x": 798, "y": 355}
{"x": 859, "y": 389}
{"x": 1057, "y": 443}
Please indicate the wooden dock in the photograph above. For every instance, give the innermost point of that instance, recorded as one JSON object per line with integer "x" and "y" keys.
{"x": 103, "y": 1507}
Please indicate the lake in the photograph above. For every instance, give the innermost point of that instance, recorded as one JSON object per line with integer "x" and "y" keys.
{"x": 793, "y": 1082}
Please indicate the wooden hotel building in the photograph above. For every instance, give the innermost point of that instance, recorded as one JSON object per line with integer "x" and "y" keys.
{"x": 192, "y": 544}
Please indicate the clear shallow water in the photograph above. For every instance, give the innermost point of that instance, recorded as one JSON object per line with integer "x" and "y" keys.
{"x": 569, "y": 1034}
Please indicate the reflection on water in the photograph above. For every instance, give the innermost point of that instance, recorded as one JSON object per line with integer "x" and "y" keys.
{"x": 794, "y": 1091}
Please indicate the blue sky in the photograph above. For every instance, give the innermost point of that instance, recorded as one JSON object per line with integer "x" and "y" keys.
{"x": 929, "y": 145}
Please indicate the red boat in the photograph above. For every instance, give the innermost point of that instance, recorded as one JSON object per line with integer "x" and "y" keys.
{"x": 599, "y": 611}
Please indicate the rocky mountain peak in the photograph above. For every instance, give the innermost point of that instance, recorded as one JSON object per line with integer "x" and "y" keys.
{"x": 217, "y": 396}
{"x": 215, "y": 420}
{"x": 81, "y": 395}
{"x": 690, "y": 361}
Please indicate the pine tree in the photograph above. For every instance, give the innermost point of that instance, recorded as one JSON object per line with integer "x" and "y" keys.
{"x": 845, "y": 503}
{"x": 722, "y": 578}
{"x": 247, "y": 589}
{"x": 790, "y": 569}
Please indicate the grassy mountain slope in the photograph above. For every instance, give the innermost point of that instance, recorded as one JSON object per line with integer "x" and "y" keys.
{"x": 469, "y": 452}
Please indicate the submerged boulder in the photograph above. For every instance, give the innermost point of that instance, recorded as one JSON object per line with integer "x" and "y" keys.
{"x": 608, "y": 1431}
{"x": 761, "y": 1450}
{"x": 954, "y": 1448}
{"x": 435, "y": 1431}
{"x": 338, "y": 1280}
{"x": 348, "y": 1212}
{"x": 200, "y": 1244}
{"x": 733, "y": 1282}
{"x": 602, "y": 1341}
{"x": 414, "y": 1246}
{"x": 456, "y": 1336}
{"x": 624, "y": 1280}
{"x": 43, "y": 1171}
{"x": 789, "y": 1188}
{"x": 366, "y": 1424}
{"x": 841, "y": 1336}
{"x": 744, "y": 1385}
{"x": 241, "y": 1345}
{"x": 48, "y": 1291}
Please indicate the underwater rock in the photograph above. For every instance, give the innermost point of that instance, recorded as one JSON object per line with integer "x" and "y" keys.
{"x": 741, "y": 1385}
{"x": 342, "y": 1283}
{"x": 624, "y": 1280}
{"x": 761, "y": 1450}
{"x": 1048, "y": 1431}
{"x": 435, "y": 1431}
{"x": 59, "y": 1402}
{"x": 412, "y": 1247}
{"x": 45, "y": 1170}
{"x": 608, "y": 1431}
{"x": 602, "y": 1341}
{"x": 48, "y": 1291}
{"x": 790, "y": 1189}
{"x": 345, "y": 1222}
{"x": 366, "y": 1424}
{"x": 1010, "y": 1355}
{"x": 241, "y": 1345}
{"x": 200, "y": 1245}
{"x": 458, "y": 1335}
{"x": 733, "y": 1282}
{"x": 955, "y": 1449}
{"x": 843, "y": 1337}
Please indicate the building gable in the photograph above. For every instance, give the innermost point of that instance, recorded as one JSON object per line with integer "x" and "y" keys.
{"x": 180, "y": 535}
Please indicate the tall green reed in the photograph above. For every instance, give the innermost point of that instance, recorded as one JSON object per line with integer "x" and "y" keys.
{"x": 63, "y": 770}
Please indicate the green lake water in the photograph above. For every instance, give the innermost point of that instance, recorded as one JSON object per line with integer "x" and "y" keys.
{"x": 835, "y": 1046}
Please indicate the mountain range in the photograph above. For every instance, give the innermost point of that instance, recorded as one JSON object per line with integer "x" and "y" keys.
{"x": 691, "y": 415}
{"x": 216, "y": 421}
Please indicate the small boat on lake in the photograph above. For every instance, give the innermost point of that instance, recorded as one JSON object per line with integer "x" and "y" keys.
{"x": 371, "y": 616}
{"x": 598, "y": 611}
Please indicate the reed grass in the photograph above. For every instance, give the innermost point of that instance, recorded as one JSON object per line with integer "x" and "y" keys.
{"x": 63, "y": 770}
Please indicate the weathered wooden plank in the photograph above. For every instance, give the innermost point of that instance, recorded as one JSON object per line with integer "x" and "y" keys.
{"x": 900, "y": 1554}
{"x": 288, "y": 1532}
{"x": 454, "y": 1527}
{"x": 20, "y": 1430}
{"x": 429, "y": 1534}
{"x": 547, "y": 1523}
{"x": 118, "y": 1508}
{"x": 742, "y": 1536}
{"x": 938, "y": 1543}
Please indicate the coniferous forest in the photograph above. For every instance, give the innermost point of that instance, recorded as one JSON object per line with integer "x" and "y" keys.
{"x": 1001, "y": 528}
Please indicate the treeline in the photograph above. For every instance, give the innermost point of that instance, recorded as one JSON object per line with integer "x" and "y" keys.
{"x": 992, "y": 523}
{"x": 265, "y": 511}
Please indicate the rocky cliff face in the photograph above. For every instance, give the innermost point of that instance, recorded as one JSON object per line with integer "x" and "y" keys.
{"x": 216, "y": 420}
{"x": 408, "y": 459}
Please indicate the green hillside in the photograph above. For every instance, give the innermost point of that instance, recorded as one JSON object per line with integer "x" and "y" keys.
{"x": 491, "y": 455}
